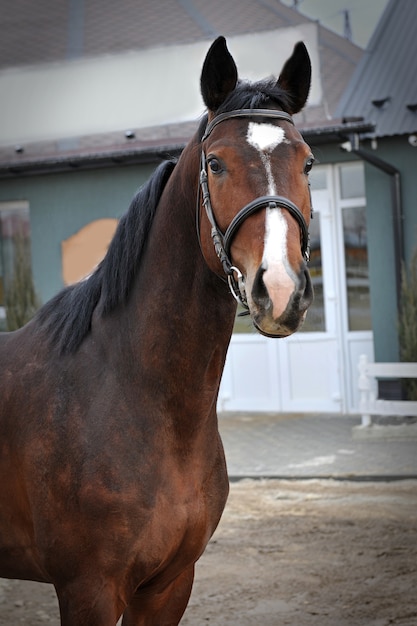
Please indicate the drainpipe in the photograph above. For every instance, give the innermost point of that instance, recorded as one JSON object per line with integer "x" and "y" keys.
{"x": 397, "y": 209}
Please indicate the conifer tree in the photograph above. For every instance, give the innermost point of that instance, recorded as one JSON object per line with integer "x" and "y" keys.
{"x": 408, "y": 322}
{"x": 20, "y": 297}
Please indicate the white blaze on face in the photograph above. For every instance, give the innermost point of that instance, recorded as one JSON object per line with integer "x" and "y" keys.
{"x": 278, "y": 277}
{"x": 275, "y": 249}
{"x": 265, "y": 138}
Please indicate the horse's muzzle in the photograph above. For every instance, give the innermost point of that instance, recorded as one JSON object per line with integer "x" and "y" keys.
{"x": 292, "y": 306}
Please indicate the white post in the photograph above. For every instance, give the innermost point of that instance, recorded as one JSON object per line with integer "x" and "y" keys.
{"x": 364, "y": 390}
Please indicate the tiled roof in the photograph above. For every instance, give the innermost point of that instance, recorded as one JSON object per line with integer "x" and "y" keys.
{"x": 54, "y": 30}
{"x": 383, "y": 88}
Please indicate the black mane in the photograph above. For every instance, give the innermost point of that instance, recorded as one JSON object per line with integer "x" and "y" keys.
{"x": 67, "y": 317}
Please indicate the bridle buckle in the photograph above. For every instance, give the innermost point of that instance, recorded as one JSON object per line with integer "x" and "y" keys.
{"x": 237, "y": 286}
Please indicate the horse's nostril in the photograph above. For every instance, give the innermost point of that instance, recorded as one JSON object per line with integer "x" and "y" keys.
{"x": 259, "y": 291}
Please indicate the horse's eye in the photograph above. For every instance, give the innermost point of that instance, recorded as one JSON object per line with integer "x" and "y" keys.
{"x": 215, "y": 165}
{"x": 309, "y": 164}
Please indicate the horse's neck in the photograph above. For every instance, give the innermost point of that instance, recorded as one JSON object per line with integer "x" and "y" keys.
{"x": 180, "y": 315}
{"x": 183, "y": 293}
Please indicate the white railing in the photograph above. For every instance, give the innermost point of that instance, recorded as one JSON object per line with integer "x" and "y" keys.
{"x": 369, "y": 404}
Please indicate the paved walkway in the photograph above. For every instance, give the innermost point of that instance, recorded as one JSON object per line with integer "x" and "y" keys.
{"x": 309, "y": 446}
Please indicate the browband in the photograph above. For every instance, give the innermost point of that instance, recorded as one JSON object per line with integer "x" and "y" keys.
{"x": 279, "y": 115}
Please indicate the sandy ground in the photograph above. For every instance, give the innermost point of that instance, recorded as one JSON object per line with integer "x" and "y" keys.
{"x": 303, "y": 553}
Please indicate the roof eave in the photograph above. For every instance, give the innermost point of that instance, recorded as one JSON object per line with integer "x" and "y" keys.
{"x": 91, "y": 160}
{"x": 337, "y": 132}
{"x": 140, "y": 155}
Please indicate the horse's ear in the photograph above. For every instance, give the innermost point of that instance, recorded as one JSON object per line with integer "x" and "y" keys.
{"x": 218, "y": 76}
{"x": 295, "y": 77}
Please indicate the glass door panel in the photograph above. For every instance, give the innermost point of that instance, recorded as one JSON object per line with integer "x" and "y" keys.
{"x": 315, "y": 320}
{"x": 356, "y": 268}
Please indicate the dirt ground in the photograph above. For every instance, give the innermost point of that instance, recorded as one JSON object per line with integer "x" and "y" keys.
{"x": 302, "y": 553}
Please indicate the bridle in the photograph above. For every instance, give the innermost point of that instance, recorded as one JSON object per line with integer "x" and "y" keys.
{"x": 222, "y": 241}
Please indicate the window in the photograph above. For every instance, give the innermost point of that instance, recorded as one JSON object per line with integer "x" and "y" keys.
{"x": 356, "y": 268}
{"x": 352, "y": 181}
{"x": 352, "y": 202}
{"x": 315, "y": 320}
{"x": 318, "y": 178}
{"x": 14, "y": 247}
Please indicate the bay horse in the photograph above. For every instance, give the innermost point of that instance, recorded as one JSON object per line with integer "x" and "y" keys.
{"x": 113, "y": 476}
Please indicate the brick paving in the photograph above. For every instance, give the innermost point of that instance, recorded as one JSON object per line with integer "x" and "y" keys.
{"x": 309, "y": 446}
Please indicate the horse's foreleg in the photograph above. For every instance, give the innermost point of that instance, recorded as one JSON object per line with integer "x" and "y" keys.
{"x": 85, "y": 603}
{"x": 161, "y": 609}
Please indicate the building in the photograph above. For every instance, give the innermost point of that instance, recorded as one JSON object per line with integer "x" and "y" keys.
{"x": 383, "y": 91}
{"x": 89, "y": 109}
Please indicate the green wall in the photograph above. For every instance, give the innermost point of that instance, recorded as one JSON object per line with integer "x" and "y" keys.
{"x": 62, "y": 203}
{"x": 397, "y": 152}
{"x": 381, "y": 263}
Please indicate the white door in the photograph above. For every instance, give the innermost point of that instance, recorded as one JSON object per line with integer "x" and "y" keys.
{"x": 310, "y": 360}
{"x": 314, "y": 370}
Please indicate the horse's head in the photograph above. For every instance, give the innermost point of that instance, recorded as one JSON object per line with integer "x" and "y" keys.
{"x": 254, "y": 186}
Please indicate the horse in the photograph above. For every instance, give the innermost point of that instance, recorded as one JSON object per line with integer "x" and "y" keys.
{"x": 113, "y": 471}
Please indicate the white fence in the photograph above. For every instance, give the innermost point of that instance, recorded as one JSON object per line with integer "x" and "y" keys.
{"x": 369, "y": 404}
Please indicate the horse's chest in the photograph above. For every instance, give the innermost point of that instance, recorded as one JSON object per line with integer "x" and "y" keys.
{"x": 185, "y": 522}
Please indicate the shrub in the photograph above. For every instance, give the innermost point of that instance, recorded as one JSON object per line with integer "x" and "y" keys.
{"x": 408, "y": 322}
{"x": 21, "y": 301}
